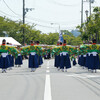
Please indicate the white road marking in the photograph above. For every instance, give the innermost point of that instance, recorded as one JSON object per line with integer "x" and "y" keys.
{"x": 48, "y": 67}
{"x": 48, "y": 64}
{"x": 75, "y": 75}
{"x": 83, "y": 76}
{"x": 47, "y": 92}
{"x": 47, "y": 71}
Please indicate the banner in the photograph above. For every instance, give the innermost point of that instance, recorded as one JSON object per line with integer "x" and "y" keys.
{"x": 61, "y": 37}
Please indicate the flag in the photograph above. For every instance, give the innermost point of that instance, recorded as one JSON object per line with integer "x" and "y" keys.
{"x": 61, "y": 37}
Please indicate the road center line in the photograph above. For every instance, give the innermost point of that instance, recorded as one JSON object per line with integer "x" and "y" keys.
{"x": 48, "y": 64}
{"x": 47, "y": 92}
{"x": 47, "y": 71}
{"x": 48, "y": 67}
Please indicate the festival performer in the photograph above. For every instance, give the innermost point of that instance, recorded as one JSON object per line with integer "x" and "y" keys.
{"x": 94, "y": 50}
{"x": 24, "y": 52}
{"x": 11, "y": 57}
{"x": 39, "y": 53}
{"x": 73, "y": 59}
{"x": 89, "y": 56}
{"x": 83, "y": 52}
{"x": 73, "y": 54}
{"x": 47, "y": 52}
{"x": 79, "y": 53}
{"x": 56, "y": 51}
{"x": 33, "y": 51}
{"x": 18, "y": 60}
{"x": 4, "y": 59}
{"x": 64, "y": 57}
{"x": 33, "y": 59}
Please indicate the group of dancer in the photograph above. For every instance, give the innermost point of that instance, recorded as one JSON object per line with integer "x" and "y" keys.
{"x": 88, "y": 55}
{"x": 10, "y": 56}
{"x": 62, "y": 56}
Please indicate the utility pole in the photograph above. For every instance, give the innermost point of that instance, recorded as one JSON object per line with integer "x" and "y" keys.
{"x": 81, "y": 13}
{"x": 90, "y": 2}
{"x": 90, "y": 6}
{"x": 25, "y": 10}
{"x": 23, "y": 21}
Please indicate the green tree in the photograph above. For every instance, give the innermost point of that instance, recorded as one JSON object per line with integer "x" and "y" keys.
{"x": 90, "y": 29}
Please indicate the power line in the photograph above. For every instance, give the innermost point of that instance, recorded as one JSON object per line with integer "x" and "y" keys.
{"x": 44, "y": 21}
{"x": 40, "y": 25}
{"x": 38, "y": 20}
{"x": 61, "y": 4}
{"x": 8, "y": 14}
{"x": 29, "y": 17}
{"x": 26, "y": 21}
{"x": 26, "y": 17}
{"x": 10, "y": 8}
{"x": 69, "y": 28}
{"x": 33, "y": 22}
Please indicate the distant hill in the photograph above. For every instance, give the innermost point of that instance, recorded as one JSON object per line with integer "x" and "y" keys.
{"x": 75, "y": 33}
{"x": 66, "y": 32}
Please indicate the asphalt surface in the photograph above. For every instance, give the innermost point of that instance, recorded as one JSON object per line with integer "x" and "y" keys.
{"x": 47, "y": 83}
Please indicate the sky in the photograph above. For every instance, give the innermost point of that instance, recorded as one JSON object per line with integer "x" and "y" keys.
{"x": 63, "y": 14}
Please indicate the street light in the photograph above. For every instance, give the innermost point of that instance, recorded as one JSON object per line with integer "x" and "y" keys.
{"x": 86, "y": 15}
{"x": 82, "y": 3}
{"x": 58, "y": 25}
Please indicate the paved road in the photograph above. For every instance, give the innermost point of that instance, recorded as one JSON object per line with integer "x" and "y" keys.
{"x": 47, "y": 83}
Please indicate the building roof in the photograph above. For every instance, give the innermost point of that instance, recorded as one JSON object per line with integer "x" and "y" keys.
{"x": 10, "y": 40}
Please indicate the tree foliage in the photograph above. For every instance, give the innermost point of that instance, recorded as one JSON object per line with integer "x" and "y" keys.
{"x": 91, "y": 29}
{"x": 15, "y": 29}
